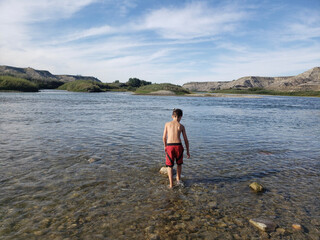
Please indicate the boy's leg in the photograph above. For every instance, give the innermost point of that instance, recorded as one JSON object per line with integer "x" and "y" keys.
{"x": 170, "y": 176}
{"x": 179, "y": 169}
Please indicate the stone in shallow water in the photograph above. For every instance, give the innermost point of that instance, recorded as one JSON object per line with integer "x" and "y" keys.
{"x": 150, "y": 229}
{"x": 281, "y": 231}
{"x": 212, "y": 205}
{"x": 263, "y": 224}
{"x": 297, "y": 226}
{"x": 257, "y": 187}
{"x": 164, "y": 171}
{"x": 92, "y": 160}
{"x": 154, "y": 237}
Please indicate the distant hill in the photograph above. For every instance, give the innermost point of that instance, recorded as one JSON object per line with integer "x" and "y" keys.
{"x": 43, "y": 78}
{"x": 307, "y": 81}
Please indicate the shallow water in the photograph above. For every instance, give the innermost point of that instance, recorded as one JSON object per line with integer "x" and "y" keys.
{"x": 50, "y": 190}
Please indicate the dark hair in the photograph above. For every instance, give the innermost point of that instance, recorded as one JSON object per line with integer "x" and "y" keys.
{"x": 177, "y": 113}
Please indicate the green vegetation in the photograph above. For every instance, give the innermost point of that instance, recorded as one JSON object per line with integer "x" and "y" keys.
{"x": 136, "y": 82}
{"x": 261, "y": 91}
{"x": 94, "y": 86}
{"x": 178, "y": 90}
{"x": 43, "y": 84}
{"x": 8, "y": 83}
{"x": 84, "y": 86}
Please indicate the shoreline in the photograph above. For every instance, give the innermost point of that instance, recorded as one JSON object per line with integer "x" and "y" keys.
{"x": 171, "y": 93}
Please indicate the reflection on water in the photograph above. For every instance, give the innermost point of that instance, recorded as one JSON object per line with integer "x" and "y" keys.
{"x": 50, "y": 190}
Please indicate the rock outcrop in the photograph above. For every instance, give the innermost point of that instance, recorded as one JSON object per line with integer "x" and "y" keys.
{"x": 309, "y": 80}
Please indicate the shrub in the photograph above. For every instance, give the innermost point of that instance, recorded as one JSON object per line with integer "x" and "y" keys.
{"x": 8, "y": 83}
{"x": 163, "y": 86}
{"x": 136, "y": 82}
{"x": 83, "y": 86}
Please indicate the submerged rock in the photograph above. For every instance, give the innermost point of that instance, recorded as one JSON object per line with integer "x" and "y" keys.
{"x": 92, "y": 160}
{"x": 257, "y": 187}
{"x": 265, "y": 153}
{"x": 263, "y": 224}
{"x": 281, "y": 231}
{"x": 212, "y": 205}
{"x": 150, "y": 229}
{"x": 297, "y": 226}
{"x": 164, "y": 171}
{"x": 154, "y": 237}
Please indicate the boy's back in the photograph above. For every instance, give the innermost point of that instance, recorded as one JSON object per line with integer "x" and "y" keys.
{"x": 174, "y": 130}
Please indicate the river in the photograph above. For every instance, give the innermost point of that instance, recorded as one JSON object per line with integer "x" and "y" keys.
{"x": 49, "y": 190}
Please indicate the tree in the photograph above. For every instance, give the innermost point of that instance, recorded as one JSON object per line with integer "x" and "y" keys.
{"x": 136, "y": 82}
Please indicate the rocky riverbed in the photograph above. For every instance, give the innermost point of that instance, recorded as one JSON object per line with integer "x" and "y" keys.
{"x": 86, "y": 166}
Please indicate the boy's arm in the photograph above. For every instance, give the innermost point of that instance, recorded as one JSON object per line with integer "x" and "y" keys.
{"x": 164, "y": 138}
{"x": 184, "y": 134}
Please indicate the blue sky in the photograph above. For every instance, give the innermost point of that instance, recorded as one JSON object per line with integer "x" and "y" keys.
{"x": 161, "y": 41}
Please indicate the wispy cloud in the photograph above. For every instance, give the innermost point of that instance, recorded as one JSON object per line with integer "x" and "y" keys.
{"x": 18, "y": 11}
{"x": 194, "y": 20}
{"x": 305, "y": 26}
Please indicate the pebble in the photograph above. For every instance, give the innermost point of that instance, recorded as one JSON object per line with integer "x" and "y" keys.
{"x": 297, "y": 226}
{"x": 212, "y": 204}
{"x": 180, "y": 226}
{"x": 257, "y": 187}
{"x": 238, "y": 222}
{"x": 263, "y": 224}
{"x": 237, "y": 236}
{"x": 154, "y": 237}
{"x": 315, "y": 222}
{"x": 37, "y": 233}
{"x": 281, "y": 231}
{"x": 186, "y": 218}
{"x": 45, "y": 223}
{"x": 264, "y": 236}
{"x": 192, "y": 228}
{"x": 182, "y": 237}
{"x": 92, "y": 160}
{"x": 149, "y": 229}
{"x": 222, "y": 225}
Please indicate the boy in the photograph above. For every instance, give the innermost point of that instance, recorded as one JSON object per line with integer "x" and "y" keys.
{"x": 173, "y": 146}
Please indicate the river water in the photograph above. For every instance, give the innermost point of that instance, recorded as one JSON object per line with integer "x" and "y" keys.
{"x": 49, "y": 190}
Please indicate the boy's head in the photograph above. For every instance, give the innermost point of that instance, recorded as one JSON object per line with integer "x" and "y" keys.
{"x": 177, "y": 113}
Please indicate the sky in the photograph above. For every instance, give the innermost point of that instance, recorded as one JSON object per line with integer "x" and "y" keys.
{"x": 173, "y": 41}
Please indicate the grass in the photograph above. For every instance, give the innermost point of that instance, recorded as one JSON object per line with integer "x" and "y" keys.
{"x": 178, "y": 90}
{"x": 261, "y": 91}
{"x": 84, "y": 86}
{"x": 93, "y": 86}
{"x": 8, "y": 83}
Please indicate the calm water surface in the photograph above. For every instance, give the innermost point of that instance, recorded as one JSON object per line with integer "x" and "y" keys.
{"x": 49, "y": 190}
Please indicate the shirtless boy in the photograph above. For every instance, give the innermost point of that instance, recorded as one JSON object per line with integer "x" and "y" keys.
{"x": 173, "y": 146}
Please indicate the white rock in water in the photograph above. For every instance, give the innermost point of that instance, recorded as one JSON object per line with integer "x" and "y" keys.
{"x": 264, "y": 224}
{"x": 164, "y": 171}
{"x": 92, "y": 160}
{"x": 257, "y": 187}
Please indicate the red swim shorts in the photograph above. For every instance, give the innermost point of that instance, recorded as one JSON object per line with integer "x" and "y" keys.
{"x": 174, "y": 151}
